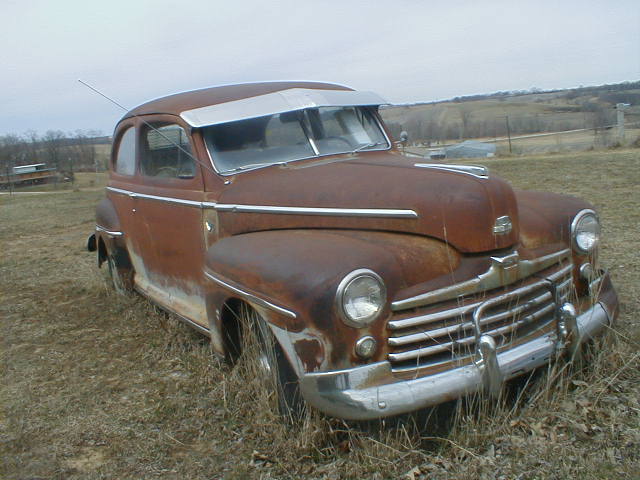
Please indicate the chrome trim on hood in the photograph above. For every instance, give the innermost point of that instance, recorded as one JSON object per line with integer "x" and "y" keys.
{"x": 331, "y": 212}
{"x": 478, "y": 171}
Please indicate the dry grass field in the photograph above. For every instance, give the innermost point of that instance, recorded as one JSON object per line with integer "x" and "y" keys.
{"x": 541, "y": 144}
{"x": 99, "y": 386}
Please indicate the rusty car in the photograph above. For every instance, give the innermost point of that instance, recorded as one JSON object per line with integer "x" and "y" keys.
{"x": 378, "y": 283}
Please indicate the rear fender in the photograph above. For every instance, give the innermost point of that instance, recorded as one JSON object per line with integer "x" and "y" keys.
{"x": 109, "y": 237}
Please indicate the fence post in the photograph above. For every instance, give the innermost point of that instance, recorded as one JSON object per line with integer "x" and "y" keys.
{"x": 508, "y": 133}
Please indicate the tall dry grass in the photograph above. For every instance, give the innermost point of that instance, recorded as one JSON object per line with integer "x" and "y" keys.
{"x": 95, "y": 385}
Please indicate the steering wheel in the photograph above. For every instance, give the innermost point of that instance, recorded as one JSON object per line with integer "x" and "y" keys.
{"x": 167, "y": 172}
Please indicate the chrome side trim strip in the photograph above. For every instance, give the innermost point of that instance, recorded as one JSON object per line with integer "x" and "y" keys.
{"x": 179, "y": 201}
{"x": 499, "y": 274}
{"x": 333, "y": 212}
{"x": 250, "y": 297}
{"x": 478, "y": 171}
{"x": 111, "y": 233}
{"x": 270, "y": 209}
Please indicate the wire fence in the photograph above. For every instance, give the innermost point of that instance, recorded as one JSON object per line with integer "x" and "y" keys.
{"x": 542, "y": 143}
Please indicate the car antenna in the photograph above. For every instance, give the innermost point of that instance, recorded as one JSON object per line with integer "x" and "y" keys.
{"x": 202, "y": 164}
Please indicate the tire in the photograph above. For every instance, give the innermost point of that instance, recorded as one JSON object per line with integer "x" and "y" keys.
{"x": 272, "y": 364}
{"x": 113, "y": 277}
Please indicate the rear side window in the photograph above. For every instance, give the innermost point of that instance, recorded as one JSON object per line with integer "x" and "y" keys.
{"x": 126, "y": 159}
{"x": 166, "y": 153}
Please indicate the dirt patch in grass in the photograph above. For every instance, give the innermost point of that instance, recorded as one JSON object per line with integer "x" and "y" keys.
{"x": 99, "y": 386}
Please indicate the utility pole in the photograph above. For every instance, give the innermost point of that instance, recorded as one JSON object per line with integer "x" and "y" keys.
{"x": 508, "y": 132}
{"x": 73, "y": 180}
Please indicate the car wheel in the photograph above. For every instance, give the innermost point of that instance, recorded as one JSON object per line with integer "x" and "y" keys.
{"x": 272, "y": 365}
{"x": 113, "y": 277}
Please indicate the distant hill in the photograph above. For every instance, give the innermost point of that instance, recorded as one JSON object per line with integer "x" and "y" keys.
{"x": 525, "y": 112}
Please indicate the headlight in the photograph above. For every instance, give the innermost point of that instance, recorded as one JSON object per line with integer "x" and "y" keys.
{"x": 585, "y": 231}
{"x": 361, "y": 297}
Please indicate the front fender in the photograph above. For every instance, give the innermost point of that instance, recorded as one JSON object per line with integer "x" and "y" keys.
{"x": 299, "y": 270}
{"x": 545, "y": 217}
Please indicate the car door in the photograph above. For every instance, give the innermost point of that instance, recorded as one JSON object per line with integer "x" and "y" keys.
{"x": 122, "y": 178}
{"x": 169, "y": 219}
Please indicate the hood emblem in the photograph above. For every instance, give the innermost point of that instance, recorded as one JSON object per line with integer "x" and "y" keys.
{"x": 502, "y": 226}
{"x": 507, "y": 262}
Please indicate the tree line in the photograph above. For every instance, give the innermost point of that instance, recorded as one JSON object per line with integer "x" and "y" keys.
{"x": 66, "y": 151}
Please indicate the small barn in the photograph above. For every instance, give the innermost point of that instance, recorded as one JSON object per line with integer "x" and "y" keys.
{"x": 471, "y": 149}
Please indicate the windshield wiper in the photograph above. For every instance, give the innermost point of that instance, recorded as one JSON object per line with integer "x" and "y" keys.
{"x": 251, "y": 165}
{"x": 368, "y": 145}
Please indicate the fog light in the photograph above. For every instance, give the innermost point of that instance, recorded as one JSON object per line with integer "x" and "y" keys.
{"x": 366, "y": 347}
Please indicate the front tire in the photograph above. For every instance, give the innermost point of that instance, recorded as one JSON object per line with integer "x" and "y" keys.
{"x": 272, "y": 364}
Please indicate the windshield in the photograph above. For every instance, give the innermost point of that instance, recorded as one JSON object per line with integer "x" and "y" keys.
{"x": 290, "y": 136}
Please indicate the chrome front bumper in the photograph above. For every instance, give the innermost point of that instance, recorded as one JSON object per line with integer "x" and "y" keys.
{"x": 372, "y": 391}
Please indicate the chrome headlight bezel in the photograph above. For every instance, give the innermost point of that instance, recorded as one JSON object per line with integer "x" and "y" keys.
{"x": 343, "y": 291}
{"x": 577, "y": 223}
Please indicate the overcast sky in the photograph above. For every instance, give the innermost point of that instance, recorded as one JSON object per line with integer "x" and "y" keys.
{"x": 405, "y": 50}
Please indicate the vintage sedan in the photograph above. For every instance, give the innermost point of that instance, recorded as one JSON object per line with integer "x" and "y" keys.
{"x": 378, "y": 283}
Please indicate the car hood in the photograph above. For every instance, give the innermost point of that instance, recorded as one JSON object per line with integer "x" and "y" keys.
{"x": 454, "y": 206}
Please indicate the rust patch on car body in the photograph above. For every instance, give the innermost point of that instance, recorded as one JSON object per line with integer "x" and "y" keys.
{"x": 310, "y": 353}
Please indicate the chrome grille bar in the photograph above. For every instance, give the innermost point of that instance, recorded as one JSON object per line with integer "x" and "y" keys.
{"x": 469, "y": 340}
{"x": 499, "y": 275}
{"x": 458, "y": 311}
{"x": 440, "y": 332}
{"x": 530, "y": 306}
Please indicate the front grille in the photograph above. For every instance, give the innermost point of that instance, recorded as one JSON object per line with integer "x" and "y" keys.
{"x": 444, "y": 332}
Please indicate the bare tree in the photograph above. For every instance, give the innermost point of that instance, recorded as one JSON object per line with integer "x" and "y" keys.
{"x": 32, "y": 142}
{"x": 53, "y": 143}
{"x": 12, "y": 153}
{"x": 465, "y": 112}
{"x": 85, "y": 149}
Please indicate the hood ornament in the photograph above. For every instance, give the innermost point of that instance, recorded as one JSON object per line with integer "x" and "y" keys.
{"x": 503, "y": 225}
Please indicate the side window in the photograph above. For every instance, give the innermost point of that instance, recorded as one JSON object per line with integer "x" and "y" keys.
{"x": 126, "y": 159}
{"x": 166, "y": 153}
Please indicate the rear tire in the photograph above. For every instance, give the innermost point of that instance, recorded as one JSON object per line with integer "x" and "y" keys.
{"x": 113, "y": 277}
